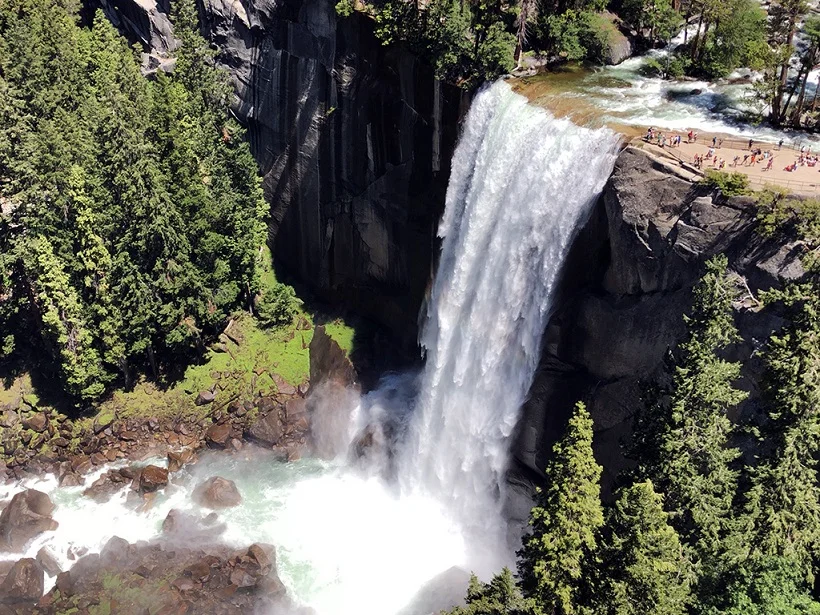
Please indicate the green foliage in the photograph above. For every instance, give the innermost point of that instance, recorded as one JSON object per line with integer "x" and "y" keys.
{"x": 277, "y": 305}
{"x": 657, "y": 20}
{"x": 642, "y": 567}
{"x": 136, "y": 209}
{"x": 767, "y": 586}
{"x": 784, "y": 504}
{"x": 564, "y": 522}
{"x": 345, "y": 8}
{"x": 738, "y": 38}
{"x": 501, "y": 596}
{"x": 729, "y": 184}
{"x": 467, "y": 42}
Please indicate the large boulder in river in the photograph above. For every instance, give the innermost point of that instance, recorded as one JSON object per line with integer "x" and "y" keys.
{"x": 152, "y": 478}
{"x": 27, "y": 515}
{"x": 618, "y": 46}
{"x": 23, "y": 584}
{"x": 217, "y": 492}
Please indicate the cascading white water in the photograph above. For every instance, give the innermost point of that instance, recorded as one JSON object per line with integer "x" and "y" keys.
{"x": 521, "y": 184}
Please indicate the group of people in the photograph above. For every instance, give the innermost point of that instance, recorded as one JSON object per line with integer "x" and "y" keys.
{"x": 755, "y": 156}
{"x": 660, "y": 139}
{"x": 806, "y": 158}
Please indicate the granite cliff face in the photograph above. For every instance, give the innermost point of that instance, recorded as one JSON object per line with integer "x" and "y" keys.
{"x": 627, "y": 284}
{"x": 354, "y": 141}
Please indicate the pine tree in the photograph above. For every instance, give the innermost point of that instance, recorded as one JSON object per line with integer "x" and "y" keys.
{"x": 643, "y": 567}
{"x": 564, "y": 521}
{"x": 784, "y": 503}
{"x": 693, "y": 465}
{"x": 501, "y": 596}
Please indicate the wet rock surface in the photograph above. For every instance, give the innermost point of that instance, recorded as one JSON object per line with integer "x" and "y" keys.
{"x": 26, "y": 516}
{"x": 160, "y": 577}
{"x": 217, "y": 492}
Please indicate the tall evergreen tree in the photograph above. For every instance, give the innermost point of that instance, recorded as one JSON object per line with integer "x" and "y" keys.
{"x": 693, "y": 463}
{"x": 643, "y": 569}
{"x": 564, "y": 521}
{"x": 784, "y": 503}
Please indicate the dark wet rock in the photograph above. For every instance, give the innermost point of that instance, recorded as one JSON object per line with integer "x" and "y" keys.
{"x": 218, "y": 435}
{"x": 217, "y": 492}
{"x": 26, "y": 516}
{"x": 267, "y": 430}
{"x": 23, "y": 584}
{"x": 152, "y": 478}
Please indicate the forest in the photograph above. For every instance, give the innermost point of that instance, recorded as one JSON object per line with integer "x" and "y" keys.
{"x": 132, "y": 214}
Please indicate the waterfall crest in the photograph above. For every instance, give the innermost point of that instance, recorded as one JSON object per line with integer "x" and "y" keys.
{"x": 522, "y": 183}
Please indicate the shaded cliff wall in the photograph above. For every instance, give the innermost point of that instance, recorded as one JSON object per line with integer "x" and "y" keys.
{"x": 626, "y": 286}
{"x": 354, "y": 141}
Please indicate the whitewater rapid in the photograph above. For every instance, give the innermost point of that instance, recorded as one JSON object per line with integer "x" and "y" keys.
{"x": 366, "y": 535}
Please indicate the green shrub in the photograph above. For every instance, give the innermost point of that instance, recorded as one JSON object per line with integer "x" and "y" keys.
{"x": 277, "y": 305}
{"x": 730, "y": 184}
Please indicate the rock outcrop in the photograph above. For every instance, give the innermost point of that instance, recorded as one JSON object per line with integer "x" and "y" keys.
{"x": 626, "y": 285}
{"x": 26, "y": 516}
{"x": 23, "y": 584}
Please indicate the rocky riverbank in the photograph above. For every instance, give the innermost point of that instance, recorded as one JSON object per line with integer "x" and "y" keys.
{"x": 111, "y": 456}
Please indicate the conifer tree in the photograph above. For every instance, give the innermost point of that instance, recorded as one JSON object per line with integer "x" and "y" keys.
{"x": 564, "y": 521}
{"x": 784, "y": 502}
{"x": 693, "y": 465}
{"x": 642, "y": 564}
{"x": 501, "y": 596}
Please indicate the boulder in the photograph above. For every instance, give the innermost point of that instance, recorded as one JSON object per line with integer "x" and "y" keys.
{"x": 205, "y": 397}
{"x": 27, "y": 515}
{"x": 218, "y": 435}
{"x": 48, "y": 562}
{"x": 115, "y": 552}
{"x": 9, "y": 419}
{"x": 217, "y": 492}
{"x": 36, "y": 422}
{"x": 178, "y": 459}
{"x": 267, "y": 430}
{"x": 23, "y": 584}
{"x": 618, "y": 46}
{"x": 152, "y": 478}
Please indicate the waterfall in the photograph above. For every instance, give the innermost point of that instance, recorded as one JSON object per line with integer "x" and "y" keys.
{"x": 522, "y": 183}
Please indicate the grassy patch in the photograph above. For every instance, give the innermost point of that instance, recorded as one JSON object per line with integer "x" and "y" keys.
{"x": 342, "y": 334}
